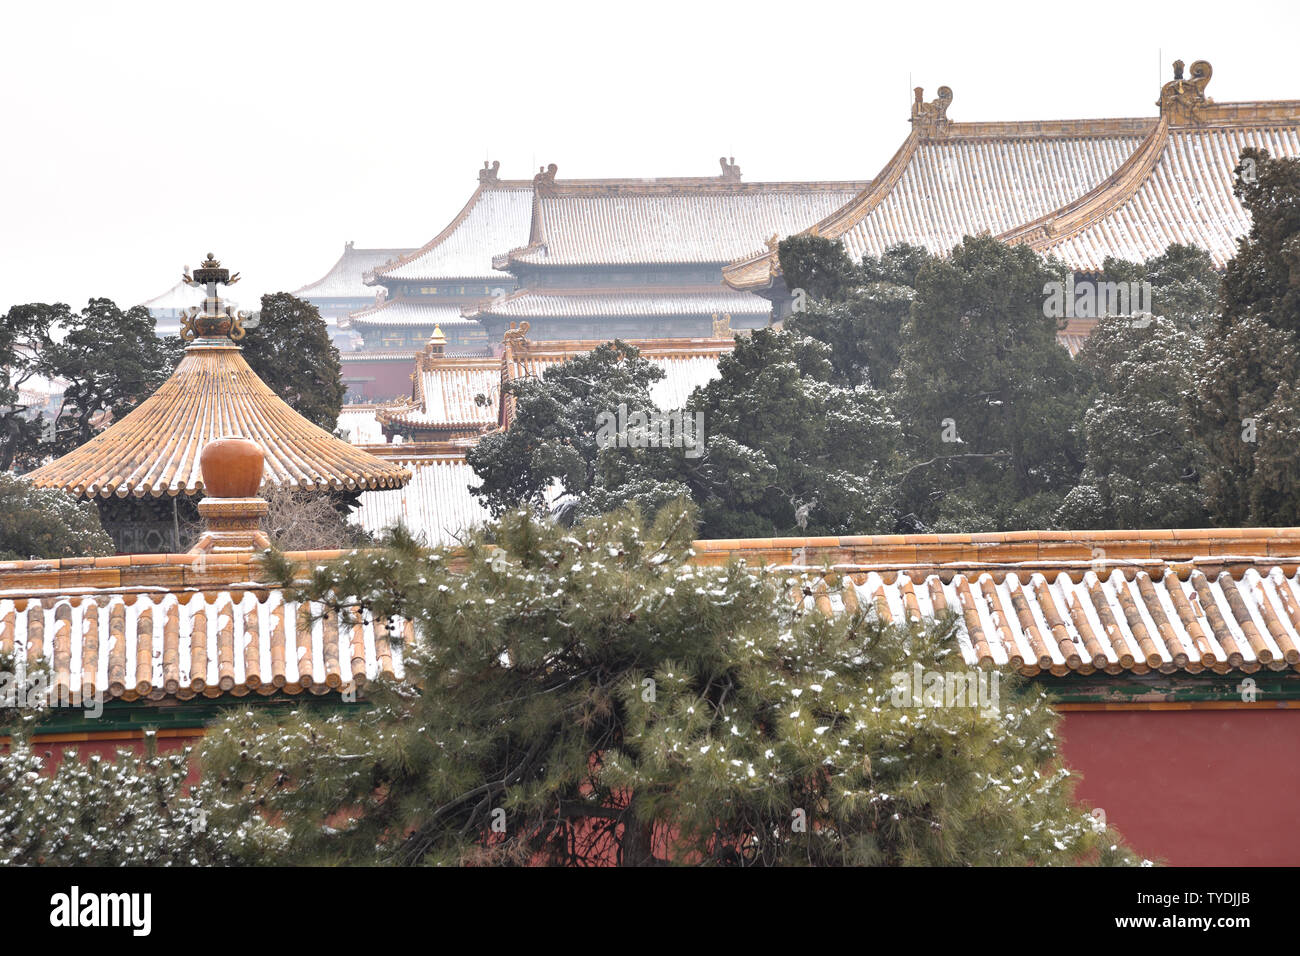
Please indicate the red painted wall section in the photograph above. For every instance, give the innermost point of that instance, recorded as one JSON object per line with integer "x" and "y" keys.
{"x": 379, "y": 380}
{"x": 1188, "y": 787}
{"x": 1193, "y": 787}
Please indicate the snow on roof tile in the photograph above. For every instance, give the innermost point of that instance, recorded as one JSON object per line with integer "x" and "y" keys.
{"x": 344, "y": 280}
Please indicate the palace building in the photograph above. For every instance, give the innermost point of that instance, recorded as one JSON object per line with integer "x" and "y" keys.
{"x": 1080, "y": 190}
{"x": 455, "y": 400}
{"x": 577, "y": 260}
{"x": 342, "y": 290}
{"x": 643, "y": 258}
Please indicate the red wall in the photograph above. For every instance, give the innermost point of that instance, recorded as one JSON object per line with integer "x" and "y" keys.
{"x": 1193, "y": 787}
{"x": 1189, "y": 787}
{"x": 384, "y": 379}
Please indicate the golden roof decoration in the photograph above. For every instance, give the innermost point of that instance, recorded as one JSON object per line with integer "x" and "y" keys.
{"x": 154, "y": 450}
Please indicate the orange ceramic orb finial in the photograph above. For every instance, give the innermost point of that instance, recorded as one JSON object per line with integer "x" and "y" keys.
{"x": 232, "y": 467}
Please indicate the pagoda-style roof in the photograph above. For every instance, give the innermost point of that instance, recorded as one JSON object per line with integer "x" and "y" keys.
{"x": 437, "y": 505}
{"x": 690, "y": 220}
{"x": 1179, "y": 189}
{"x": 495, "y": 218}
{"x": 650, "y": 302}
{"x": 213, "y": 393}
{"x": 1080, "y": 189}
{"x": 344, "y": 280}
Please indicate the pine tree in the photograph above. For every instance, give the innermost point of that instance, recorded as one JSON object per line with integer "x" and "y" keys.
{"x": 991, "y": 402}
{"x": 47, "y": 523}
{"x": 24, "y": 336}
{"x": 859, "y": 313}
{"x": 111, "y": 359}
{"x": 585, "y": 695}
{"x": 1143, "y": 464}
{"x": 71, "y": 809}
{"x": 1185, "y": 286}
{"x": 552, "y": 439}
{"x": 290, "y": 350}
{"x": 1246, "y": 409}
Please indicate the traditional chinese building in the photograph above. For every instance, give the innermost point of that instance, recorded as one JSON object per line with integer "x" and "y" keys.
{"x": 578, "y": 260}
{"x": 643, "y": 258}
{"x": 430, "y": 286}
{"x": 143, "y": 471}
{"x": 169, "y": 308}
{"x": 342, "y": 290}
{"x": 1080, "y": 190}
{"x": 455, "y": 400}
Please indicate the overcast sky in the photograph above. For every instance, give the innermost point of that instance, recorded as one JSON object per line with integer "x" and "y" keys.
{"x": 137, "y": 137}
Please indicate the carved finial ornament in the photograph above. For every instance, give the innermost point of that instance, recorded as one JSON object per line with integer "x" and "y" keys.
{"x": 488, "y": 174}
{"x": 516, "y": 336}
{"x": 730, "y": 171}
{"x": 214, "y": 319}
{"x": 545, "y": 175}
{"x": 931, "y": 119}
{"x": 1181, "y": 100}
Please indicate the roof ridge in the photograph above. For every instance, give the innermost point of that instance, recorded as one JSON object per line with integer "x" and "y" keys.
{"x": 746, "y": 275}
{"x": 1098, "y": 202}
{"x": 375, "y": 277}
{"x": 348, "y": 248}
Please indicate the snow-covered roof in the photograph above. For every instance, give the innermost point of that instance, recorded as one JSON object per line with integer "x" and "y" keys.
{"x": 1043, "y": 602}
{"x": 180, "y": 296}
{"x": 624, "y": 303}
{"x": 445, "y": 391}
{"x": 669, "y": 221}
{"x": 436, "y": 505}
{"x": 163, "y": 641}
{"x": 344, "y": 280}
{"x": 1078, "y": 189}
{"x": 408, "y": 312}
{"x": 362, "y": 424}
{"x": 495, "y": 219}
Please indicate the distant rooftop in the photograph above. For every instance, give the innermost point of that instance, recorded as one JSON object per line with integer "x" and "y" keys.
{"x": 344, "y": 280}
{"x": 1078, "y": 189}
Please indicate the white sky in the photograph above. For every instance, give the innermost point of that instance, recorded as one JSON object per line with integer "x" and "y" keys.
{"x": 134, "y": 138}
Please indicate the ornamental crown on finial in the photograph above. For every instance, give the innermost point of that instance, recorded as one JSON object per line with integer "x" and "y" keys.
{"x": 214, "y": 319}
{"x": 931, "y": 119}
{"x": 1182, "y": 100}
{"x": 546, "y": 175}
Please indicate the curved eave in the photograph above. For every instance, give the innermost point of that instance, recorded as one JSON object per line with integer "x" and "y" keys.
{"x": 1095, "y": 205}
{"x": 154, "y": 450}
{"x": 755, "y": 274}
{"x": 385, "y": 275}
